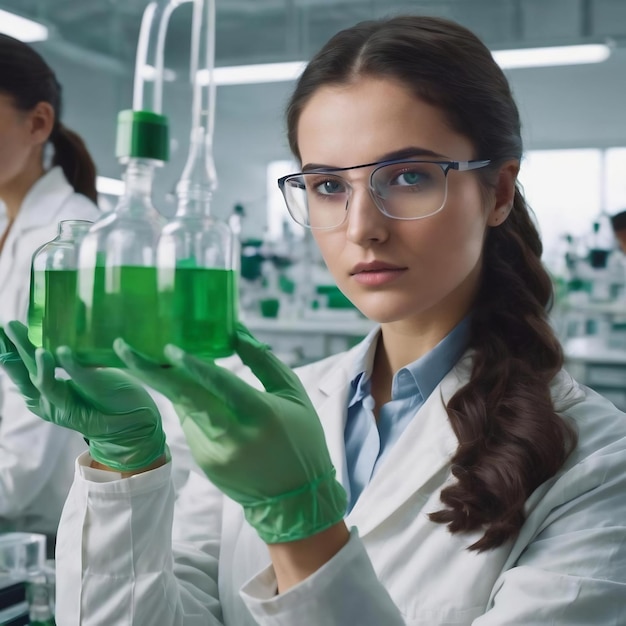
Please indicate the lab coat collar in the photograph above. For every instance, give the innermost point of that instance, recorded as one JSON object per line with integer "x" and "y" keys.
{"x": 423, "y": 450}
{"x": 41, "y": 207}
{"x": 418, "y": 463}
{"x": 43, "y": 201}
{"x": 342, "y": 371}
{"x": 334, "y": 386}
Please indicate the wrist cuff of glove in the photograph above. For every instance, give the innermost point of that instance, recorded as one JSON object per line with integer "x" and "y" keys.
{"x": 300, "y": 513}
{"x": 124, "y": 457}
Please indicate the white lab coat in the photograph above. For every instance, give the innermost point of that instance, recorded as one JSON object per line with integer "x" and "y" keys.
{"x": 35, "y": 473}
{"x": 119, "y": 561}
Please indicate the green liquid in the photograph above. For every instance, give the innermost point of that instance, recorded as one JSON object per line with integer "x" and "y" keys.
{"x": 117, "y": 302}
{"x": 52, "y": 308}
{"x": 193, "y": 308}
{"x": 199, "y": 310}
{"x": 36, "y": 306}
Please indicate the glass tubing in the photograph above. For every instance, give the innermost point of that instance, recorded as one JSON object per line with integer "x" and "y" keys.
{"x": 199, "y": 177}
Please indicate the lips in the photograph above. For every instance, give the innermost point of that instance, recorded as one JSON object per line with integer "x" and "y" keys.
{"x": 376, "y": 273}
{"x": 375, "y": 266}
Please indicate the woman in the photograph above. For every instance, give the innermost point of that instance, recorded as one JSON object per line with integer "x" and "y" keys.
{"x": 482, "y": 484}
{"x": 35, "y": 472}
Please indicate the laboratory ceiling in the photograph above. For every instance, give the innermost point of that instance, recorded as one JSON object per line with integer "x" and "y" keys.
{"x": 103, "y": 33}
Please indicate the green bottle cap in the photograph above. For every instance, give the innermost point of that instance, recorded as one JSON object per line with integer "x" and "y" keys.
{"x": 142, "y": 134}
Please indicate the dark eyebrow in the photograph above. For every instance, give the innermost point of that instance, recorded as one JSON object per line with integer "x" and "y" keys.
{"x": 404, "y": 153}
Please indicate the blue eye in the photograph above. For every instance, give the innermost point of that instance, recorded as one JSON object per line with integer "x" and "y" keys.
{"x": 411, "y": 178}
{"x": 330, "y": 187}
{"x": 327, "y": 186}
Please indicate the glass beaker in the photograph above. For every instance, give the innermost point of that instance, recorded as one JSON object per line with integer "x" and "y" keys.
{"x": 52, "y": 308}
{"x": 117, "y": 281}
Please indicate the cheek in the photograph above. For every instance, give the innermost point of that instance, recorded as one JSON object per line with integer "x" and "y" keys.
{"x": 330, "y": 246}
{"x": 13, "y": 154}
{"x": 463, "y": 220}
{"x": 446, "y": 248}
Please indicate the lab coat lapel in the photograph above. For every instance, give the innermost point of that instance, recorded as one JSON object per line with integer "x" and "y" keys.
{"x": 419, "y": 460}
{"x": 331, "y": 401}
{"x": 40, "y": 207}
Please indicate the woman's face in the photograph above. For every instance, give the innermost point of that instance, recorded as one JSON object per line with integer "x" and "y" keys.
{"x": 18, "y": 142}
{"x": 435, "y": 261}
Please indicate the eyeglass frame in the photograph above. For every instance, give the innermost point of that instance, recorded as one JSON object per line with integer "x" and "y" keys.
{"x": 446, "y": 166}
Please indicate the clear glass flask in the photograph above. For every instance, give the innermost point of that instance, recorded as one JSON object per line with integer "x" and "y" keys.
{"x": 197, "y": 266}
{"x": 52, "y": 308}
{"x": 117, "y": 280}
{"x": 197, "y": 254}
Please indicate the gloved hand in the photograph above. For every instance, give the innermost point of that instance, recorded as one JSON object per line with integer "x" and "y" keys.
{"x": 116, "y": 415}
{"x": 264, "y": 449}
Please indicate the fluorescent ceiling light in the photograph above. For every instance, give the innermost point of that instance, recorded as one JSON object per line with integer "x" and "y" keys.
{"x": 506, "y": 59}
{"x": 110, "y": 186}
{"x": 259, "y": 73}
{"x": 552, "y": 55}
{"x": 22, "y": 28}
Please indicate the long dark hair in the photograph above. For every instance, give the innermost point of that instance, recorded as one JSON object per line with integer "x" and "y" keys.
{"x": 28, "y": 80}
{"x": 510, "y": 437}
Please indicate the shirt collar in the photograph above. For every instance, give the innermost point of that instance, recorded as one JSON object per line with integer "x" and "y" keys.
{"x": 425, "y": 373}
{"x": 428, "y": 371}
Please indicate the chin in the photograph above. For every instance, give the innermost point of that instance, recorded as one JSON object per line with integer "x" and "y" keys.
{"x": 384, "y": 312}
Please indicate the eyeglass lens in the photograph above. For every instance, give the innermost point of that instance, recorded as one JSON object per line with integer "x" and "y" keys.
{"x": 400, "y": 190}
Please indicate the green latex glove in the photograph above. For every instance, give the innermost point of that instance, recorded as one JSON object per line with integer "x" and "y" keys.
{"x": 116, "y": 415}
{"x": 264, "y": 449}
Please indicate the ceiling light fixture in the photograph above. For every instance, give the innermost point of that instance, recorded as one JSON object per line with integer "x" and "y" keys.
{"x": 22, "y": 28}
{"x": 258, "y": 73}
{"x": 552, "y": 55}
{"x": 507, "y": 59}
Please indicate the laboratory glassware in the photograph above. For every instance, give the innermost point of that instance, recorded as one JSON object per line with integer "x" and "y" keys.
{"x": 52, "y": 309}
{"x": 197, "y": 279}
{"x": 117, "y": 280}
{"x": 40, "y": 598}
{"x": 197, "y": 255}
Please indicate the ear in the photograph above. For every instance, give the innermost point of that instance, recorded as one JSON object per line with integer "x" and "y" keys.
{"x": 41, "y": 120}
{"x": 504, "y": 193}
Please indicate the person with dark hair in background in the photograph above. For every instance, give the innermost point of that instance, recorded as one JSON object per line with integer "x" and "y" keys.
{"x": 447, "y": 470}
{"x": 618, "y": 222}
{"x": 35, "y": 473}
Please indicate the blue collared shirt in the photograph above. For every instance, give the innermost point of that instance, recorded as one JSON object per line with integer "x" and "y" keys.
{"x": 367, "y": 442}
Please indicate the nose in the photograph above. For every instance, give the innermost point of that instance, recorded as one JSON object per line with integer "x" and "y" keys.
{"x": 365, "y": 223}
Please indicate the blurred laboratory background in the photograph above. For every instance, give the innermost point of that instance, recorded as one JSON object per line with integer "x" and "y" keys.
{"x": 571, "y": 94}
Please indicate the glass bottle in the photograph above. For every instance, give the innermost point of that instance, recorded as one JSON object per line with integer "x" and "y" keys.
{"x": 197, "y": 265}
{"x": 39, "y": 595}
{"x": 52, "y": 312}
{"x": 117, "y": 282}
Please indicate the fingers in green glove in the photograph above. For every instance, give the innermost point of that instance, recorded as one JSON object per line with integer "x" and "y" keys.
{"x": 199, "y": 385}
{"x": 12, "y": 364}
{"x": 174, "y": 383}
{"x": 234, "y": 393}
{"x": 265, "y": 365}
{"x": 18, "y": 334}
{"x": 6, "y": 345}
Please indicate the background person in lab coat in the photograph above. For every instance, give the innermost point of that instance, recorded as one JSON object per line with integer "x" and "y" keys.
{"x": 35, "y": 472}
{"x": 445, "y": 471}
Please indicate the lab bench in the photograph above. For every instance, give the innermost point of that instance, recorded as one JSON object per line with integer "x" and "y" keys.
{"x": 300, "y": 341}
